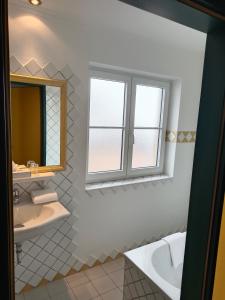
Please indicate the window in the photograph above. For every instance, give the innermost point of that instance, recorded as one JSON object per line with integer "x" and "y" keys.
{"x": 127, "y": 124}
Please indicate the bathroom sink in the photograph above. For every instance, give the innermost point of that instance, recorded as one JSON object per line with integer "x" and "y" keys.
{"x": 31, "y": 220}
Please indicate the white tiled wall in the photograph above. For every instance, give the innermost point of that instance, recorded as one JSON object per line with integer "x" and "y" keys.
{"x": 51, "y": 253}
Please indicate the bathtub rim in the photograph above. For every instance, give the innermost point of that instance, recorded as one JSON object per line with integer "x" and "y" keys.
{"x": 170, "y": 290}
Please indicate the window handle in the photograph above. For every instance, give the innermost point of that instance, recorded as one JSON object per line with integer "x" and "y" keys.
{"x": 132, "y": 137}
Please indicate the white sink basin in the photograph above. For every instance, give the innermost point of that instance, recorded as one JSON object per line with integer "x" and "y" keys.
{"x": 31, "y": 220}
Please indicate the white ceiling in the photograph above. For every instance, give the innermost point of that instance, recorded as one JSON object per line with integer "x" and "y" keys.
{"x": 120, "y": 16}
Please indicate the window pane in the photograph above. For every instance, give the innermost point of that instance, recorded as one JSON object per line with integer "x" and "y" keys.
{"x": 106, "y": 102}
{"x": 105, "y": 150}
{"x": 148, "y": 106}
{"x": 145, "y": 148}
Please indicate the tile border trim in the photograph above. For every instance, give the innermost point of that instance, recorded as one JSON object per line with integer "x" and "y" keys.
{"x": 182, "y": 136}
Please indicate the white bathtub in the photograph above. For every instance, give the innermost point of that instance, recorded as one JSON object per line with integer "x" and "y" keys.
{"x": 154, "y": 261}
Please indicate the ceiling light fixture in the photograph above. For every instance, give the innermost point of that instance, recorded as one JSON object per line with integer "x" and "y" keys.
{"x": 35, "y": 2}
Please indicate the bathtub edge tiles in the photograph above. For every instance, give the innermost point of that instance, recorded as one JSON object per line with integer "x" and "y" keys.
{"x": 137, "y": 286}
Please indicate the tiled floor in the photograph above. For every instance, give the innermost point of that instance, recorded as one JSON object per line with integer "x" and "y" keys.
{"x": 104, "y": 282}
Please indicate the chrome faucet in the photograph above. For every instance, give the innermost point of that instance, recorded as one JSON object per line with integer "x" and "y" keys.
{"x": 16, "y": 196}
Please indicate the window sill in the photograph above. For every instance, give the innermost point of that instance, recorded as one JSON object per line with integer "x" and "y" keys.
{"x": 125, "y": 182}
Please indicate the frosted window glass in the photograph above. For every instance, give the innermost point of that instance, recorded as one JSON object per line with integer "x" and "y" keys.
{"x": 145, "y": 148}
{"x": 106, "y": 102}
{"x": 148, "y": 106}
{"x": 105, "y": 150}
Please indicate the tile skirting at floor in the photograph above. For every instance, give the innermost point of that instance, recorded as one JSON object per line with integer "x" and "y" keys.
{"x": 102, "y": 282}
{"x": 72, "y": 271}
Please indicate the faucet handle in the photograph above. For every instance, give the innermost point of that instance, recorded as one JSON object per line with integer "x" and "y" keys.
{"x": 16, "y": 196}
{"x": 16, "y": 192}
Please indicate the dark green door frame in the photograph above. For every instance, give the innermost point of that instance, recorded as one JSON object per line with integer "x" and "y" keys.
{"x": 6, "y": 205}
{"x": 208, "y": 179}
{"x": 207, "y": 190}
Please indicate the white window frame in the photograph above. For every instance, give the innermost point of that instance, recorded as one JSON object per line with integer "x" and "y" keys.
{"x": 131, "y": 80}
{"x": 162, "y": 127}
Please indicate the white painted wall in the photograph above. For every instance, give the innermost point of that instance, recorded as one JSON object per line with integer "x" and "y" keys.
{"x": 114, "y": 219}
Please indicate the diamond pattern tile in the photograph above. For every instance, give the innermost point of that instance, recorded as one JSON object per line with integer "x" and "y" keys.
{"x": 50, "y": 70}
{"x": 51, "y": 253}
{"x": 14, "y": 64}
{"x": 33, "y": 67}
{"x": 173, "y": 136}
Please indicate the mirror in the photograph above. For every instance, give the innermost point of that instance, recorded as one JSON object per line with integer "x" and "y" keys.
{"x": 38, "y": 122}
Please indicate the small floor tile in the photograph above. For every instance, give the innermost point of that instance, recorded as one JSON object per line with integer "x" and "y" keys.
{"x": 120, "y": 261}
{"x": 68, "y": 295}
{"x": 85, "y": 292}
{"x": 117, "y": 277}
{"x": 77, "y": 279}
{"x": 95, "y": 273}
{"x": 57, "y": 287}
{"x": 40, "y": 293}
{"x": 113, "y": 295}
{"x": 111, "y": 266}
{"x": 104, "y": 284}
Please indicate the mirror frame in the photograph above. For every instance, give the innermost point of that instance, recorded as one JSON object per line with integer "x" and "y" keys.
{"x": 62, "y": 84}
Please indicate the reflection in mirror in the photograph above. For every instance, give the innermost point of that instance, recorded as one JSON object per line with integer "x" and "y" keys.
{"x": 37, "y": 121}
